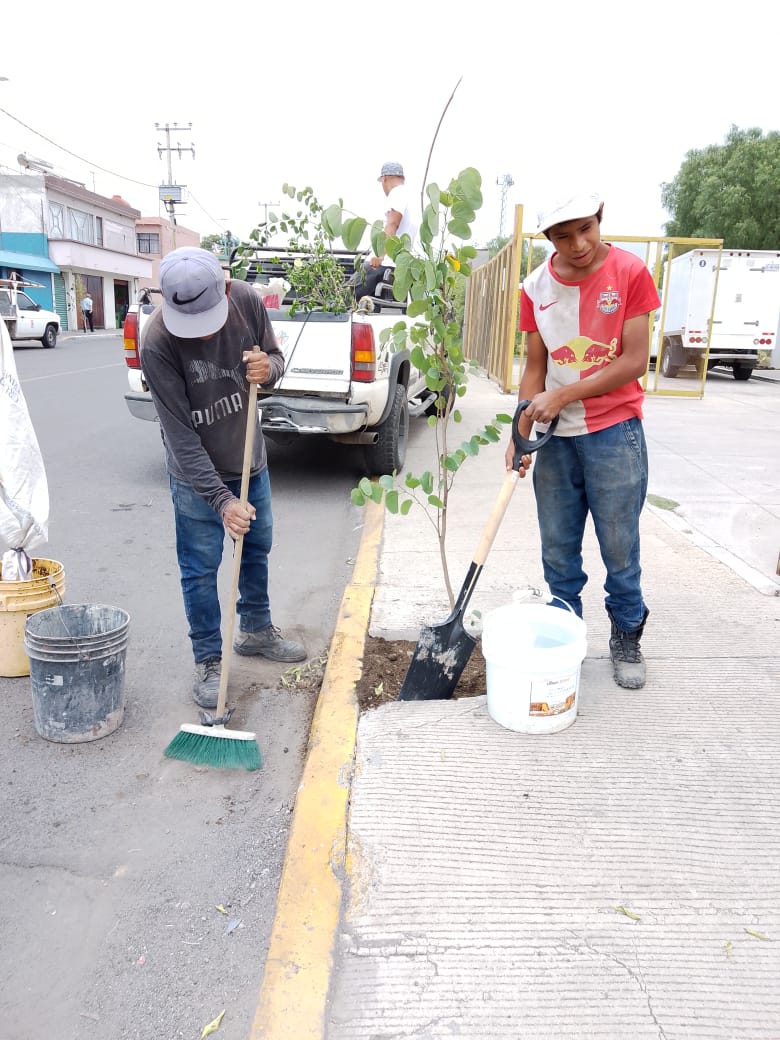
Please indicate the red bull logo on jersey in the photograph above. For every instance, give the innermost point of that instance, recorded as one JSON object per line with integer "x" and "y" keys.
{"x": 609, "y": 300}
{"x": 583, "y": 352}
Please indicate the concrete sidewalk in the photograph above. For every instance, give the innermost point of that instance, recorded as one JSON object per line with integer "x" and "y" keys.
{"x": 616, "y": 880}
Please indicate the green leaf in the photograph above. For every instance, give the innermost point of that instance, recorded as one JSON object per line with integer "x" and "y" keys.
{"x": 432, "y": 191}
{"x": 417, "y": 307}
{"x": 463, "y": 211}
{"x": 378, "y": 239}
{"x": 406, "y": 505}
{"x": 352, "y": 231}
{"x": 411, "y": 481}
{"x": 331, "y": 221}
{"x": 426, "y": 482}
{"x": 402, "y": 284}
{"x": 391, "y": 502}
{"x": 459, "y": 228}
{"x": 492, "y": 434}
{"x": 376, "y": 494}
{"x": 366, "y": 486}
{"x": 394, "y": 248}
{"x": 387, "y": 482}
{"x": 431, "y": 221}
{"x": 435, "y": 501}
{"x": 456, "y": 415}
{"x": 357, "y": 496}
{"x": 431, "y": 276}
{"x": 757, "y": 935}
{"x": 503, "y": 417}
{"x": 452, "y": 463}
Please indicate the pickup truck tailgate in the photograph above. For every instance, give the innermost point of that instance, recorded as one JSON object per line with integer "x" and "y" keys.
{"x": 317, "y": 350}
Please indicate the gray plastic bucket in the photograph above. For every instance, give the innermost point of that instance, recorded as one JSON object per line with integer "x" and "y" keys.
{"x": 77, "y": 670}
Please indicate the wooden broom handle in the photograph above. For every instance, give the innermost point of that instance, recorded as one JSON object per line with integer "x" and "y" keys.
{"x": 249, "y": 444}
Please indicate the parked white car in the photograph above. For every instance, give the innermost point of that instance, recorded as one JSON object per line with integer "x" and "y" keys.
{"x": 24, "y": 318}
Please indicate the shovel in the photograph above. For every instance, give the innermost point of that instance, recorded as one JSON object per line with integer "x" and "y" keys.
{"x": 443, "y": 651}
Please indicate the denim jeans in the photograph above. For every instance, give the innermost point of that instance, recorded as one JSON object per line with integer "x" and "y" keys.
{"x": 604, "y": 473}
{"x": 200, "y": 541}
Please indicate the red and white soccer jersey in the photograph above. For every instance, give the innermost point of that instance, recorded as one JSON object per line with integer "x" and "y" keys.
{"x": 581, "y": 324}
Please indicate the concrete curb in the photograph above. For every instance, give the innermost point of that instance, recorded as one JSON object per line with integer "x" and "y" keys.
{"x": 297, "y": 975}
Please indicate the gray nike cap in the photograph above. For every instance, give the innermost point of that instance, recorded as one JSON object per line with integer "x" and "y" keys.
{"x": 192, "y": 283}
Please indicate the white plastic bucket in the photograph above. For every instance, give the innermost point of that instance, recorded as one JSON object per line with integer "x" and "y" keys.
{"x": 533, "y": 653}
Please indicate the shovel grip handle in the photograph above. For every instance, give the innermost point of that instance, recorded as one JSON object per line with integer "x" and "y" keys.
{"x": 523, "y": 446}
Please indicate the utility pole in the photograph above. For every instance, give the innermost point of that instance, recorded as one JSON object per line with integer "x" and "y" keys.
{"x": 171, "y": 193}
{"x": 265, "y": 206}
{"x": 506, "y": 182}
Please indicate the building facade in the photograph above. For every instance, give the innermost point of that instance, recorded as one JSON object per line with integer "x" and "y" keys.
{"x": 69, "y": 241}
{"x": 92, "y": 241}
{"x": 156, "y": 236}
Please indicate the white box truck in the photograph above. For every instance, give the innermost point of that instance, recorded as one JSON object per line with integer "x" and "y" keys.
{"x": 745, "y": 318}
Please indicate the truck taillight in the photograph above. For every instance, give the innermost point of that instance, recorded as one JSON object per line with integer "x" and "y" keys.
{"x": 130, "y": 332}
{"x": 363, "y": 353}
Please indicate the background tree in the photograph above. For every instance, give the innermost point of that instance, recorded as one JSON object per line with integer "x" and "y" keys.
{"x": 208, "y": 241}
{"x": 729, "y": 191}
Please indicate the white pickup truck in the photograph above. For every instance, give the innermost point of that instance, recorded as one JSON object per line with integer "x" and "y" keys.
{"x": 339, "y": 381}
{"x": 23, "y": 317}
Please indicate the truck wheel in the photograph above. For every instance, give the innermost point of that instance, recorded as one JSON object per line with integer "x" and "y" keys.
{"x": 667, "y": 368}
{"x": 388, "y": 454}
{"x": 49, "y": 338}
{"x": 743, "y": 372}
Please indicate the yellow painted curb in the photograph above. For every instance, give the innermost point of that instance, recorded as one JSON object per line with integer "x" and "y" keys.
{"x": 296, "y": 980}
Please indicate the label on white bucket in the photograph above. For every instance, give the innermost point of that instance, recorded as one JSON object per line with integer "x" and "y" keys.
{"x": 553, "y": 696}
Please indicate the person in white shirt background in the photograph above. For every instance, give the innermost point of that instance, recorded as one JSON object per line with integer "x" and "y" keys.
{"x": 400, "y": 220}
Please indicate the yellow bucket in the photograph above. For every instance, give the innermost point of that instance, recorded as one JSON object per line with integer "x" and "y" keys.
{"x": 18, "y": 600}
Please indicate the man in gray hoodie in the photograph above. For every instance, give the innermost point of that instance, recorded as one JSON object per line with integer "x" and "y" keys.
{"x": 202, "y": 348}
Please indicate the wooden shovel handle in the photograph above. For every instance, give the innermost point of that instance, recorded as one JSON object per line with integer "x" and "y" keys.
{"x": 495, "y": 518}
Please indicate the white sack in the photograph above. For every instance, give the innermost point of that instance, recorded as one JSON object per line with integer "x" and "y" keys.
{"x": 24, "y": 493}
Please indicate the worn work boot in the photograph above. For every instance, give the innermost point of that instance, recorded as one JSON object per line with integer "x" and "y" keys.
{"x": 205, "y": 688}
{"x": 268, "y": 642}
{"x": 628, "y": 665}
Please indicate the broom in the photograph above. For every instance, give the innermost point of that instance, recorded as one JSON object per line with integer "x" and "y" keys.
{"x": 210, "y": 744}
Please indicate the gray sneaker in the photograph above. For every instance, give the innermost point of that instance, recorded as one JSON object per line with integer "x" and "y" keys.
{"x": 205, "y": 688}
{"x": 268, "y": 642}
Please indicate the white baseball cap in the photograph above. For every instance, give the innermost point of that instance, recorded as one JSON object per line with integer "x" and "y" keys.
{"x": 584, "y": 204}
{"x": 192, "y": 284}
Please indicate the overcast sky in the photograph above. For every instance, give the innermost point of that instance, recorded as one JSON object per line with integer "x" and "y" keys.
{"x": 561, "y": 97}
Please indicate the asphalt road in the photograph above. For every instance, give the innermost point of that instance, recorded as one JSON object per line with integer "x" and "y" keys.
{"x": 113, "y": 859}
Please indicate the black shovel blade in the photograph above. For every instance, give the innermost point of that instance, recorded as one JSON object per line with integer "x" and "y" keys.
{"x": 442, "y": 651}
{"x": 441, "y": 654}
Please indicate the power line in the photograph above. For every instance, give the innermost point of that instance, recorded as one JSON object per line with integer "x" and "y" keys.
{"x": 81, "y": 158}
{"x": 97, "y": 166}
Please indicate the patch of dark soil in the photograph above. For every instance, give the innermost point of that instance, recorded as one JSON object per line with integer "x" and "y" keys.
{"x": 386, "y": 662}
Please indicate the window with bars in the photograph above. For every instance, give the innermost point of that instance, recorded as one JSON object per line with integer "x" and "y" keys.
{"x": 81, "y": 226}
{"x": 56, "y": 220}
{"x": 148, "y": 242}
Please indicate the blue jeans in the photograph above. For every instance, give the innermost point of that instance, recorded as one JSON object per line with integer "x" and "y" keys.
{"x": 604, "y": 473}
{"x": 200, "y": 541}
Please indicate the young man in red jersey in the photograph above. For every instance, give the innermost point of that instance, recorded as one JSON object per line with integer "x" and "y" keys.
{"x": 586, "y": 314}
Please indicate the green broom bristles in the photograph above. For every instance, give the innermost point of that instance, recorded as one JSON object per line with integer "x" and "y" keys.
{"x": 215, "y": 746}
